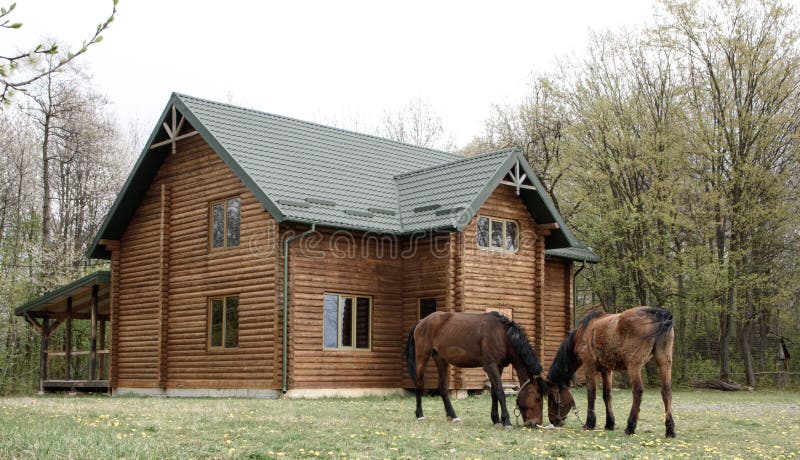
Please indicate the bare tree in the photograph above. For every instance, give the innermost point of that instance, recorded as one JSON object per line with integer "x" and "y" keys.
{"x": 537, "y": 127}
{"x": 19, "y": 71}
{"x": 416, "y": 124}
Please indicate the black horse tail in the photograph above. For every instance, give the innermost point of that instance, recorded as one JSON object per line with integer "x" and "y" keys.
{"x": 662, "y": 325}
{"x": 411, "y": 356}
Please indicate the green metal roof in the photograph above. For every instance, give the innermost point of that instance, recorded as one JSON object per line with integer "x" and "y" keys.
{"x": 55, "y": 301}
{"x": 306, "y": 172}
{"x": 583, "y": 254}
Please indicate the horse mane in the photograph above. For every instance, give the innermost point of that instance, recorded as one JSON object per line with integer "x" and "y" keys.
{"x": 519, "y": 340}
{"x": 663, "y": 324}
{"x": 566, "y": 361}
{"x": 588, "y": 318}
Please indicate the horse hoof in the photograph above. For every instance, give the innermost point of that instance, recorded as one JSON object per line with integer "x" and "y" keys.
{"x": 421, "y": 419}
{"x": 456, "y": 420}
{"x": 508, "y": 427}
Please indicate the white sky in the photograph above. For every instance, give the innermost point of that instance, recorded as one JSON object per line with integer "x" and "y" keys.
{"x": 322, "y": 61}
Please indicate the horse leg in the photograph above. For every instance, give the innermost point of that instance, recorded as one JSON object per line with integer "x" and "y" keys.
{"x": 422, "y": 361}
{"x": 444, "y": 390}
{"x": 591, "y": 394}
{"x": 493, "y": 371}
{"x": 607, "y": 384}
{"x": 495, "y": 417}
{"x": 665, "y": 371}
{"x": 635, "y": 374}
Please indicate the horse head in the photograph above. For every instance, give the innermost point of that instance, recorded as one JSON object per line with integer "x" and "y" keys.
{"x": 559, "y": 403}
{"x": 530, "y": 401}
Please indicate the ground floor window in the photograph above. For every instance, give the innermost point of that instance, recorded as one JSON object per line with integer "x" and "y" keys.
{"x": 223, "y": 322}
{"x": 426, "y": 307}
{"x": 347, "y": 322}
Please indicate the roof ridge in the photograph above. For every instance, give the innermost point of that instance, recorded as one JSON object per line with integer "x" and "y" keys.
{"x": 319, "y": 125}
{"x": 477, "y": 157}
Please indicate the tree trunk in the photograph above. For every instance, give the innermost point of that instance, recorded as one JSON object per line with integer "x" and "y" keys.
{"x": 682, "y": 345}
{"x": 45, "y": 184}
{"x": 724, "y": 353}
{"x": 745, "y": 333}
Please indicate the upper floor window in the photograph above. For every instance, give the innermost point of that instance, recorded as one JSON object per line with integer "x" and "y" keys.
{"x": 497, "y": 234}
{"x": 225, "y": 223}
{"x": 223, "y": 322}
{"x": 347, "y": 322}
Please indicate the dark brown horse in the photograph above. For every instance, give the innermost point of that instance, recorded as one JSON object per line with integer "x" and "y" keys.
{"x": 488, "y": 340}
{"x": 604, "y": 343}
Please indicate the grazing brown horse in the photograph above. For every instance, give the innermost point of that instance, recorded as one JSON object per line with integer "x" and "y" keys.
{"x": 487, "y": 340}
{"x": 604, "y": 343}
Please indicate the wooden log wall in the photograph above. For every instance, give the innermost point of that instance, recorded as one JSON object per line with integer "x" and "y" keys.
{"x": 113, "y": 346}
{"x": 355, "y": 267}
{"x": 557, "y": 306}
{"x": 160, "y": 335}
{"x": 426, "y": 269}
{"x": 484, "y": 279}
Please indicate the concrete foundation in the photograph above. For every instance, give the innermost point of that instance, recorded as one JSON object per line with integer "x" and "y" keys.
{"x": 265, "y": 393}
{"x": 199, "y": 392}
{"x": 344, "y": 393}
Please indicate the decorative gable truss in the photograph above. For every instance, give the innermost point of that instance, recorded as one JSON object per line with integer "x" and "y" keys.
{"x": 515, "y": 178}
{"x": 174, "y": 131}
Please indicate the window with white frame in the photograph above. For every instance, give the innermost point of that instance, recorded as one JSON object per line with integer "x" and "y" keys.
{"x": 497, "y": 234}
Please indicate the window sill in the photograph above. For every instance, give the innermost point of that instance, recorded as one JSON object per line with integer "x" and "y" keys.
{"x": 222, "y": 350}
{"x": 497, "y": 250}
{"x": 347, "y": 350}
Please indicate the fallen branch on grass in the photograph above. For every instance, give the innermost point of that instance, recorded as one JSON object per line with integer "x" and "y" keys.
{"x": 720, "y": 384}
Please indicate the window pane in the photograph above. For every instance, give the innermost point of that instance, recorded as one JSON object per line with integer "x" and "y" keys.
{"x": 426, "y": 307}
{"x": 497, "y": 234}
{"x": 512, "y": 240}
{"x": 231, "y": 321}
{"x": 216, "y": 323}
{"x": 233, "y": 222}
{"x": 346, "y": 322}
{"x": 218, "y": 226}
{"x": 483, "y": 232}
{"x": 362, "y": 322}
{"x": 330, "y": 324}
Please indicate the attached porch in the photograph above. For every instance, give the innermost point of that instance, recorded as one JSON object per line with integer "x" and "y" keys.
{"x": 82, "y": 307}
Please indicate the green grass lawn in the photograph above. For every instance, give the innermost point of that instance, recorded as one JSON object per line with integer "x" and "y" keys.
{"x": 709, "y": 425}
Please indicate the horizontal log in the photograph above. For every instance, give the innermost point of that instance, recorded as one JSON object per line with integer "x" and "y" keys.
{"x": 75, "y": 383}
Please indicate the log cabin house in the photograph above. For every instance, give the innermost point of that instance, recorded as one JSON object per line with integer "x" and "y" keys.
{"x": 254, "y": 254}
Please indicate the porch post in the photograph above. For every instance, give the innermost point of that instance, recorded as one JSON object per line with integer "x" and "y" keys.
{"x": 68, "y": 340}
{"x": 102, "y": 340}
{"x": 45, "y": 344}
{"x": 93, "y": 338}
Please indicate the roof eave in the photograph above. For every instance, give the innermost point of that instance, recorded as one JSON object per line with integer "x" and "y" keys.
{"x": 96, "y": 250}
{"x": 102, "y": 276}
{"x": 470, "y": 211}
{"x": 585, "y": 255}
{"x": 251, "y": 185}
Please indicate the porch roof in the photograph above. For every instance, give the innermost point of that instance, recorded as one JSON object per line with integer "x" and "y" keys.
{"x": 54, "y": 303}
